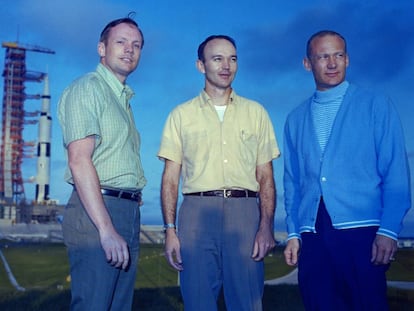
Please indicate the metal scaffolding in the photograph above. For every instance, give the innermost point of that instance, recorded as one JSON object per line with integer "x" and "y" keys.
{"x": 13, "y": 146}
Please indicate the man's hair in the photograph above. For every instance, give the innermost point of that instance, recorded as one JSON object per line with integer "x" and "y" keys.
{"x": 127, "y": 20}
{"x": 320, "y": 34}
{"x": 203, "y": 44}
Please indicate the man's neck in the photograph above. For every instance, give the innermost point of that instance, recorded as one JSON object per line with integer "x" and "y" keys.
{"x": 219, "y": 97}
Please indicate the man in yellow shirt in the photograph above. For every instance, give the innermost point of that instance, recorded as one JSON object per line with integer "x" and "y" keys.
{"x": 222, "y": 145}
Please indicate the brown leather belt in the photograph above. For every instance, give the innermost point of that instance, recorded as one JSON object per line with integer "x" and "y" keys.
{"x": 225, "y": 193}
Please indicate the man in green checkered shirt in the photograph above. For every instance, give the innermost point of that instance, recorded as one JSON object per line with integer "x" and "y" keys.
{"x": 102, "y": 219}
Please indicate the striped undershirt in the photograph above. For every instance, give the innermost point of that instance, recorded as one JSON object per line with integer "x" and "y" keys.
{"x": 324, "y": 107}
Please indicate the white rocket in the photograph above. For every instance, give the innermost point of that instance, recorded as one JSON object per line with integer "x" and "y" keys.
{"x": 43, "y": 147}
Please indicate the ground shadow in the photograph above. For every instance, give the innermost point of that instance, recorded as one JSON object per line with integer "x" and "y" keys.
{"x": 275, "y": 298}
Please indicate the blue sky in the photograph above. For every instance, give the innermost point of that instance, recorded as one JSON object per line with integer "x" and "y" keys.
{"x": 271, "y": 37}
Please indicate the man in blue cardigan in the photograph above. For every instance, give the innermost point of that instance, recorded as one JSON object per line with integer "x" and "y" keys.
{"x": 347, "y": 185}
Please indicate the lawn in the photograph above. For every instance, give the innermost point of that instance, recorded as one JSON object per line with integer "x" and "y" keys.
{"x": 42, "y": 269}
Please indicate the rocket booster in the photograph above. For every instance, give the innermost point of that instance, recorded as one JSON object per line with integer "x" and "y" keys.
{"x": 43, "y": 146}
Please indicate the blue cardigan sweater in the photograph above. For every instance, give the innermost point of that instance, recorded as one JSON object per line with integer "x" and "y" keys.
{"x": 363, "y": 174}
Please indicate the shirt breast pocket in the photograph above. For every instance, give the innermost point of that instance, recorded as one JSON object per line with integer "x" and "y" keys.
{"x": 248, "y": 146}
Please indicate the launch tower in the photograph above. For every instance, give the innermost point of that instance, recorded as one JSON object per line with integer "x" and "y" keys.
{"x": 12, "y": 149}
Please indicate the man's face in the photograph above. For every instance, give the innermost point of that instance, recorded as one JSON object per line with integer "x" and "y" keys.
{"x": 328, "y": 61}
{"x": 122, "y": 51}
{"x": 220, "y": 63}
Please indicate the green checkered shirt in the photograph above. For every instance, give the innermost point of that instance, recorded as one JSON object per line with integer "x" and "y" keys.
{"x": 98, "y": 104}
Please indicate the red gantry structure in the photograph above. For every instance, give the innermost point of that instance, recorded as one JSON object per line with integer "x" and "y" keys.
{"x": 14, "y": 116}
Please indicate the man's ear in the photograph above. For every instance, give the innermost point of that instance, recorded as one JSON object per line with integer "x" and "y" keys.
{"x": 101, "y": 49}
{"x": 200, "y": 66}
{"x": 307, "y": 64}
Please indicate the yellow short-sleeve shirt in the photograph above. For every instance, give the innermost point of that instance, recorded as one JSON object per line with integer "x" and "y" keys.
{"x": 215, "y": 154}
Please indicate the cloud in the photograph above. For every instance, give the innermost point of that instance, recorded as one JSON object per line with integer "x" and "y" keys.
{"x": 379, "y": 37}
{"x": 381, "y": 40}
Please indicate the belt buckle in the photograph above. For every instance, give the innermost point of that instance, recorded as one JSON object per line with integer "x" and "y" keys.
{"x": 135, "y": 195}
{"x": 226, "y": 193}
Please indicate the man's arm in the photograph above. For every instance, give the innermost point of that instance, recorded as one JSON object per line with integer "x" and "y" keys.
{"x": 169, "y": 197}
{"x": 88, "y": 187}
{"x": 393, "y": 167}
{"x": 265, "y": 241}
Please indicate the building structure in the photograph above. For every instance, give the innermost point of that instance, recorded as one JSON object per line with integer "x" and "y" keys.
{"x": 14, "y": 148}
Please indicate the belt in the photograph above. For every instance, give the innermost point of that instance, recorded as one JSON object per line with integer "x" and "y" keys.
{"x": 122, "y": 194}
{"x": 225, "y": 193}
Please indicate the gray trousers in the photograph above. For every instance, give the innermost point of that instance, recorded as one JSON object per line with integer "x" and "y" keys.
{"x": 97, "y": 285}
{"x": 217, "y": 237}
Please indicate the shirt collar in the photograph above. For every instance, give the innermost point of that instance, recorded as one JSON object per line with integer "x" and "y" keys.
{"x": 116, "y": 85}
{"x": 206, "y": 100}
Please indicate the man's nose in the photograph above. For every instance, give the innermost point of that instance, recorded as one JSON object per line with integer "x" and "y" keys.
{"x": 332, "y": 61}
{"x": 226, "y": 64}
{"x": 128, "y": 48}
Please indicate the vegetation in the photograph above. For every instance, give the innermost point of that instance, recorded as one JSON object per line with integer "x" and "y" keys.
{"x": 42, "y": 269}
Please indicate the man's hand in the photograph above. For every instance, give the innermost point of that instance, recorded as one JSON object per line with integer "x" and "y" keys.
{"x": 115, "y": 248}
{"x": 263, "y": 244}
{"x": 172, "y": 249}
{"x": 291, "y": 252}
{"x": 383, "y": 250}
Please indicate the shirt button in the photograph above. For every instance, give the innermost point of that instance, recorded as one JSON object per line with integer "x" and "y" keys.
{"x": 323, "y": 179}
{"x": 224, "y": 142}
{"x": 225, "y": 161}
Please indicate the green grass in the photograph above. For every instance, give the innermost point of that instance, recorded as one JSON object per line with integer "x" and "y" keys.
{"x": 43, "y": 270}
{"x": 153, "y": 270}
